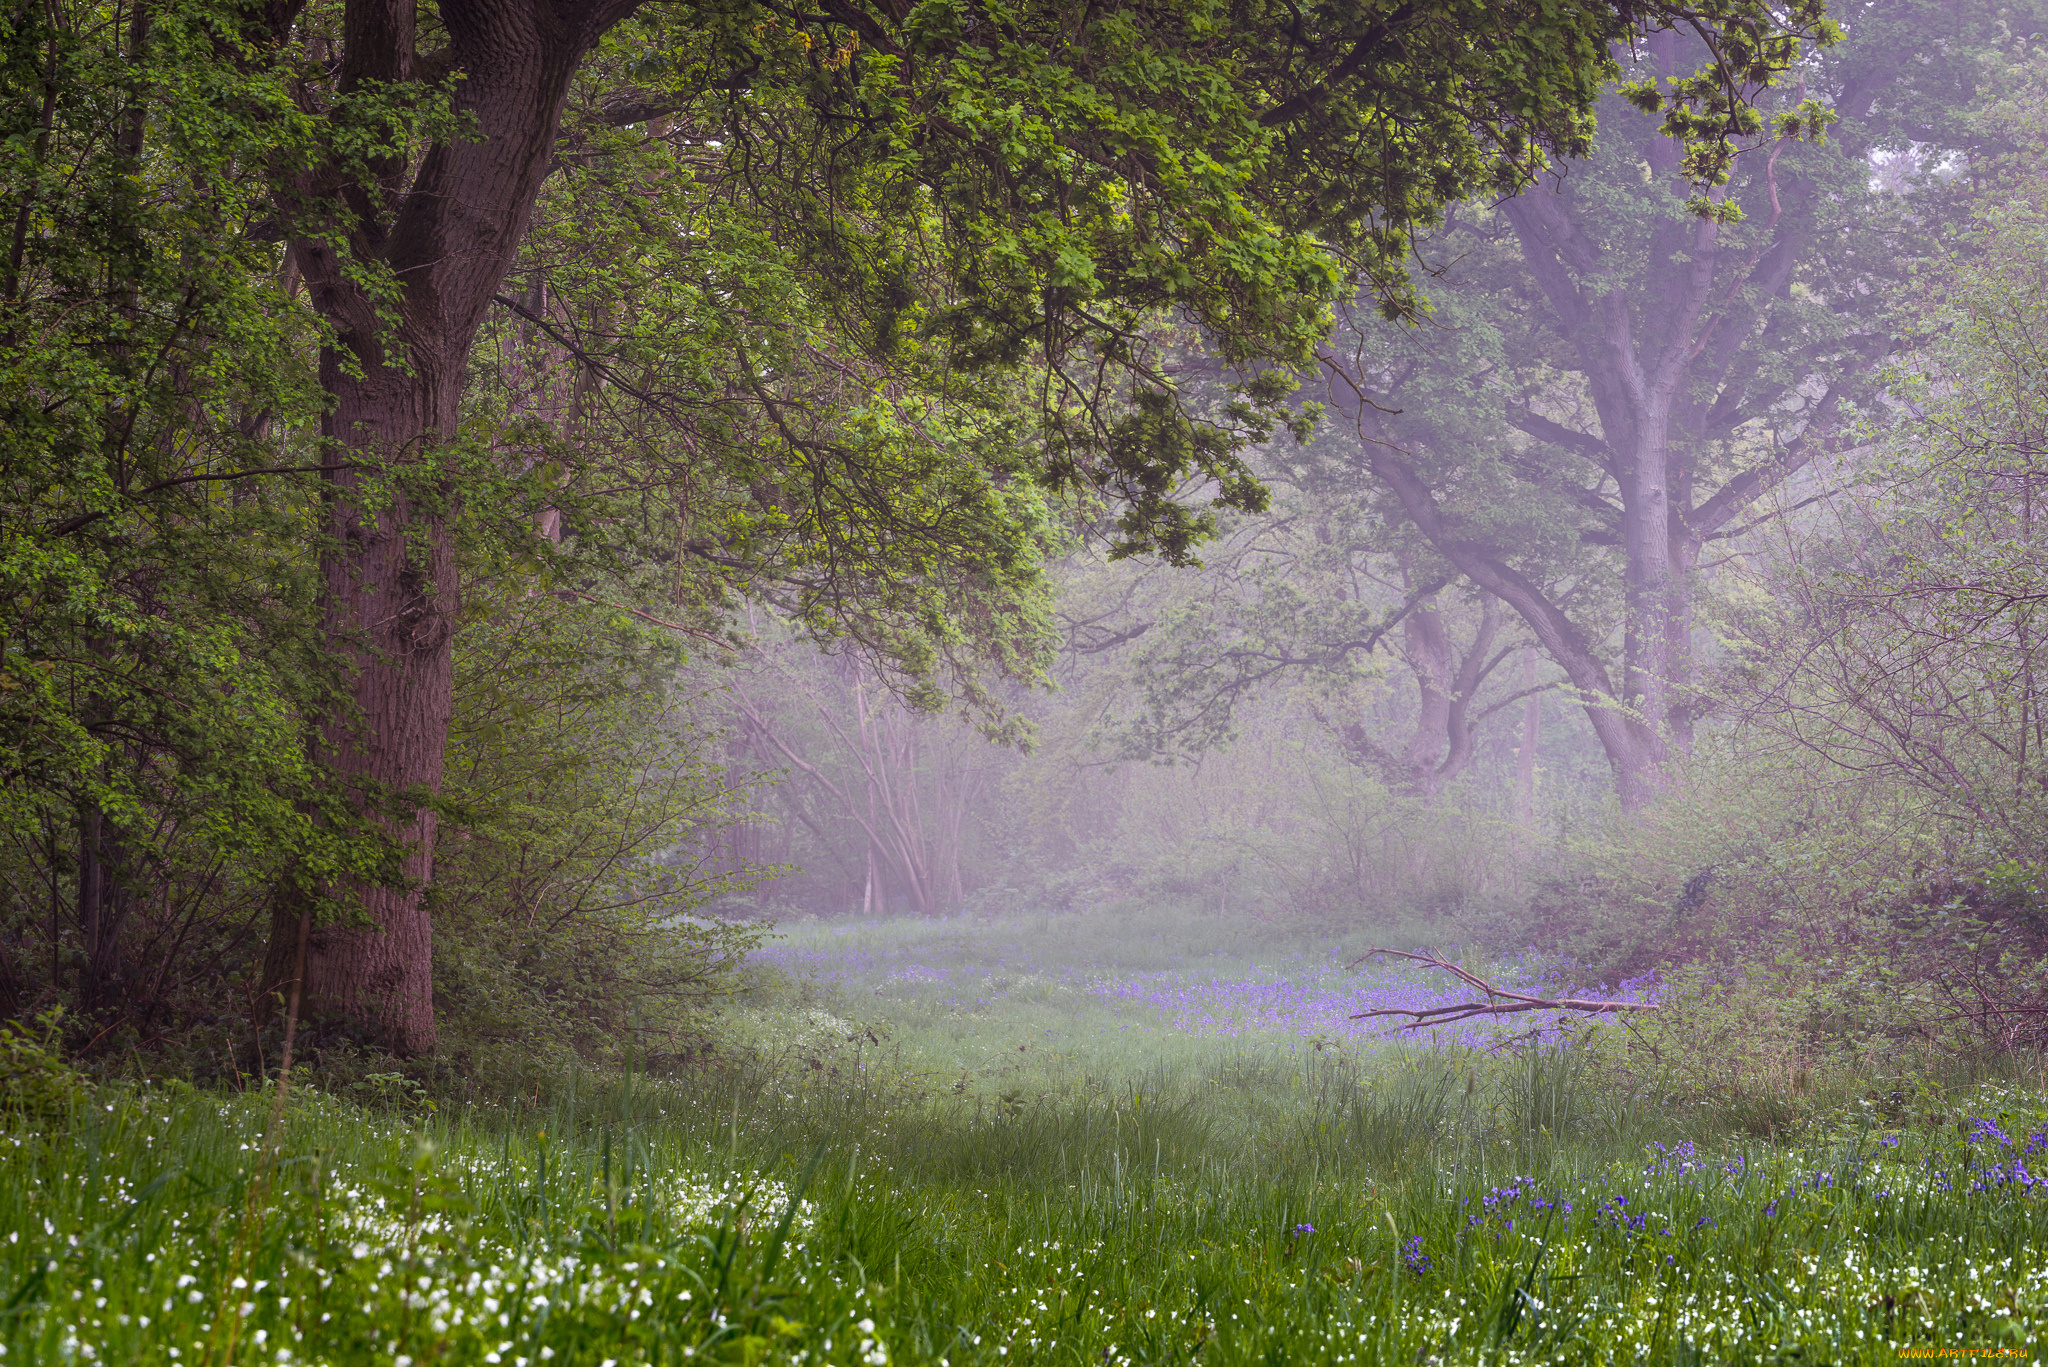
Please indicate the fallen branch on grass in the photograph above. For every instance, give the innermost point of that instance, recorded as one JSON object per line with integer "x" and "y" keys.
{"x": 1499, "y": 1001}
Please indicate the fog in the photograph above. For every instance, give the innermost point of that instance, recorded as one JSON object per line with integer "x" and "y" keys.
{"x": 952, "y": 683}
{"x": 1658, "y": 602}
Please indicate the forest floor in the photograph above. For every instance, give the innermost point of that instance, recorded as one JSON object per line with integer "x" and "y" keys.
{"x": 1037, "y": 1140}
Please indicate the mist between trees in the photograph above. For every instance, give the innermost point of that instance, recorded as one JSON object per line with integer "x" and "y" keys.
{"x": 978, "y": 683}
{"x": 493, "y": 524}
{"x": 1664, "y": 597}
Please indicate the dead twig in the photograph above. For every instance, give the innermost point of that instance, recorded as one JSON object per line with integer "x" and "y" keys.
{"x": 1499, "y": 1001}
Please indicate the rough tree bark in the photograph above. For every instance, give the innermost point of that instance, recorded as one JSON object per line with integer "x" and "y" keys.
{"x": 104, "y": 902}
{"x": 446, "y": 234}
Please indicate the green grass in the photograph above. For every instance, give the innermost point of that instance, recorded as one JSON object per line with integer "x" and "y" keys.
{"x": 1260, "y": 1201}
{"x": 1010, "y": 1003}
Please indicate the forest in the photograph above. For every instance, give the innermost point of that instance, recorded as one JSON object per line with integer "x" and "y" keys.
{"x": 953, "y": 681}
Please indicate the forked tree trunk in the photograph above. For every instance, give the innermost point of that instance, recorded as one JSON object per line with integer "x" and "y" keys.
{"x": 447, "y": 233}
{"x": 1447, "y": 680}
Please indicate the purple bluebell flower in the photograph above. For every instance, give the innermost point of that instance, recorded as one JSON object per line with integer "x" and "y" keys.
{"x": 1988, "y": 1129}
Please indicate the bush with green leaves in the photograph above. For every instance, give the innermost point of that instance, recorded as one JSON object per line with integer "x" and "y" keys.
{"x": 576, "y": 853}
{"x": 37, "y": 1086}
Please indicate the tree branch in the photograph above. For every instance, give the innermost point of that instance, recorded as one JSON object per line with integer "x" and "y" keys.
{"x": 658, "y": 621}
{"x": 1498, "y": 1000}
{"x": 596, "y": 366}
{"x": 1368, "y": 44}
{"x": 1557, "y": 434}
{"x": 72, "y": 524}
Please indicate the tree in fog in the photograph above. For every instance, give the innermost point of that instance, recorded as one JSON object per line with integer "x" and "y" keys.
{"x": 1324, "y": 593}
{"x": 1653, "y": 366}
{"x": 1901, "y": 642}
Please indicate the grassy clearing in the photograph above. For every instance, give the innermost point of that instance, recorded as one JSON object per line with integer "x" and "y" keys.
{"x": 1257, "y": 1200}
{"x": 1060, "y": 1006}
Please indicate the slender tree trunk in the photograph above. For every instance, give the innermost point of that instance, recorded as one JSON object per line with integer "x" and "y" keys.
{"x": 1532, "y": 734}
{"x": 103, "y": 905}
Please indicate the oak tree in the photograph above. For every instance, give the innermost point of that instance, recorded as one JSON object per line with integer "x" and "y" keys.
{"x": 1663, "y": 360}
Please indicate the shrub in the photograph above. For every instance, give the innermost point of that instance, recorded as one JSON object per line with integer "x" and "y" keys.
{"x": 36, "y": 1084}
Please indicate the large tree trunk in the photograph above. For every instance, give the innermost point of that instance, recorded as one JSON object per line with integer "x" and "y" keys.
{"x": 391, "y": 593}
{"x": 447, "y": 237}
{"x": 1634, "y": 759}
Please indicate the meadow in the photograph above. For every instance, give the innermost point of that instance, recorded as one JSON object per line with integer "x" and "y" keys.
{"x": 1043, "y": 1140}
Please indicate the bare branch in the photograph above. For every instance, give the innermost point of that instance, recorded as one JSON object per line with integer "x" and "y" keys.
{"x": 1499, "y": 1001}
